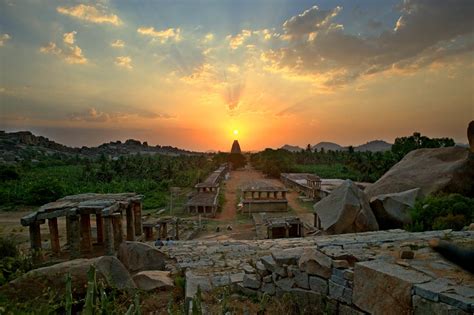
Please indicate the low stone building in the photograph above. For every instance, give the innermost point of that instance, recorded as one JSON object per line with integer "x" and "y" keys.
{"x": 261, "y": 197}
{"x": 205, "y": 199}
{"x": 284, "y": 227}
{"x": 304, "y": 183}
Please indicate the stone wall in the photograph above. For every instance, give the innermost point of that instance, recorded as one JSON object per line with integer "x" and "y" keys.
{"x": 384, "y": 272}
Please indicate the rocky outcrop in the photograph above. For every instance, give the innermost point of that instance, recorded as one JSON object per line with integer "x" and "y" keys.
{"x": 138, "y": 256}
{"x": 153, "y": 280}
{"x": 432, "y": 170}
{"x": 109, "y": 270}
{"x": 470, "y": 135}
{"x": 392, "y": 210}
{"x": 346, "y": 210}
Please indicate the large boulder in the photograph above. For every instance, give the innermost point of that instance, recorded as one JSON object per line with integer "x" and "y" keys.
{"x": 346, "y": 210}
{"x": 432, "y": 170}
{"x": 153, "y": 280}
{"x": 109, "y": 270}
{"x": 392, "y": 210}
{"x": 138, "y": 256}
{"x": 470, "y": 135}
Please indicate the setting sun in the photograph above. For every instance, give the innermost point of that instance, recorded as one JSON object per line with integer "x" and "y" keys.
{"x": 236, "y": 132}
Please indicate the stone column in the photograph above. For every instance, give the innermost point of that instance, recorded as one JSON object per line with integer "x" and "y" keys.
{"x": 130, "y": 223}
{"x": 148, "y": 233}
{"x": 287, "y": 232}
{"x": 35, "y": 241}
{"x": 283, "y": 194}
{"x": 177, "y": 230}
{"x": 54, "y": 235}
{"x": 109, "y": 235}
{"x": 68, "y": 231}
{"x": 137, "y": 213}
{"x": 75, "y": 243}
{"x": 163, "y": 230}
{"x": 100, "y": 228}
{"x": 117, "y": 227}
{"x": 269, "y": 232}
{"x": 86, "y": 239}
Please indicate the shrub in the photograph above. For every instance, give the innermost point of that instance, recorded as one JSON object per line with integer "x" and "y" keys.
{"x": 8, "y": 173}
{"x": 44, "y": 191}
{"x": 442, "y": 212}
{"x": 12, "y": 262}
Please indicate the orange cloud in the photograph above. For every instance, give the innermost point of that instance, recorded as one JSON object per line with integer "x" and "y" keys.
{"x": 90, "y": 13}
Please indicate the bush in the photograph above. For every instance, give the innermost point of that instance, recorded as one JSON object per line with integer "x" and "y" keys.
{"x": 442, "y": 212}
{"x": 8, "y": 173}
{"x": 12, "y": 262}
{"x": 44, "y": 191}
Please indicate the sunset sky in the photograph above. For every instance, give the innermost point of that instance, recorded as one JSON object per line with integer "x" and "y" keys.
{"x": 189, "y": 73}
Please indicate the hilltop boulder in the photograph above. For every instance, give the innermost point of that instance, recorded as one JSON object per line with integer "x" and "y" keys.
{"x": 470, "y": 135}
{"x": 391, "y": 210}
{"x": 446, "y": 170}
{"x": 346, "y": 210}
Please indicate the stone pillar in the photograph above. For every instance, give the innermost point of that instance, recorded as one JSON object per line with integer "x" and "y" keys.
{"x": 130, "y": 223}
{"x": 86, "y": 239}
{"x": 176, "y": 229}
{"x": 54, "y": 235}
{"x": 283, "y": 194}
{"x": 35, "y": 242}
{"x": 100, "y": 228}
{"x": 109, "y": 235}
{"x": 163, "y": 230}
{"x": 75, "y": 243}
{"x": 117, "y": 227}
{"x": 148, "y": 233}
{"x": 68, "y": 231}
{"x": 137, "y": 213}
{"x": 287, "y": 232}
{"x": 270, "y": 232}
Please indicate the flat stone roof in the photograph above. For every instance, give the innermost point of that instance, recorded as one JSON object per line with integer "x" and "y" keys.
{"x": 91, "y": 202}
{"x": 203, "y": 199}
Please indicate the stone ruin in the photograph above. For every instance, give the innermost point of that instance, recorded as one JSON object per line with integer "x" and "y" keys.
{"x": 108, "y": 209}
{"x": 381, "y": 272}
{"x": 205, "y": 199}
{"x": 284, "y": 227}
{"x": 259, "y": 196}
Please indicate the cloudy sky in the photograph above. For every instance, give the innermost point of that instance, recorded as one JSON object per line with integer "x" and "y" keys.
{"x": 188, "y": 73}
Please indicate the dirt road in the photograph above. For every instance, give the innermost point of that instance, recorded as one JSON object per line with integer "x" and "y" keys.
{"x": 240, "y": 178}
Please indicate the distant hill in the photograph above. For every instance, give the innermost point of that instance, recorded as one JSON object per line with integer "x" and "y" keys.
{"x": 291, "y": 148}
{"x": 374, "y": 146}
{"x": 23, "y": 145}
{"x": 328, "y": 146}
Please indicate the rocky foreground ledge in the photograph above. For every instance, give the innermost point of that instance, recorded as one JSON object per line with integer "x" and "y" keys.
{"x": 383, "y": 272}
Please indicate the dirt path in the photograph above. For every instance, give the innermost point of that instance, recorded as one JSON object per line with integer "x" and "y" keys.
{"x": 240, "y": 178}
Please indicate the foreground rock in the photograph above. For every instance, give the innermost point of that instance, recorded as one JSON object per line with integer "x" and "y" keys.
{"x": 392, "y": 210}
{"x": 153, "y": 280}
{"x": 432, "y": 170}
{"x": 109, "y": 270}
{"x": 346, "y": 210}
{"x": 140, "y": 256}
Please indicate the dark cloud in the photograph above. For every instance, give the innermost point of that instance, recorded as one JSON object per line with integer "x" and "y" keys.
{"x": 426, "y": 31}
